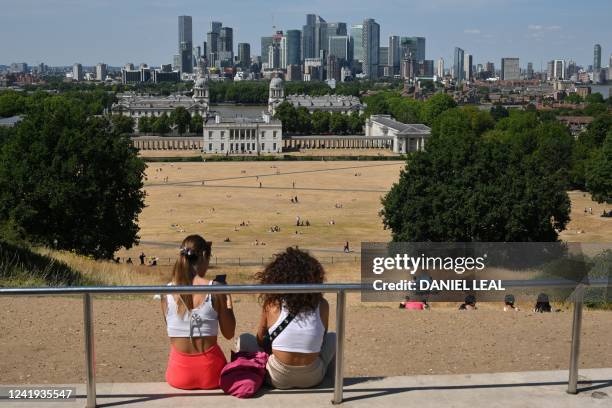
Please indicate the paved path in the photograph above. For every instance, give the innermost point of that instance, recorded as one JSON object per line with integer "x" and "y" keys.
{"x": 540, "y": 389}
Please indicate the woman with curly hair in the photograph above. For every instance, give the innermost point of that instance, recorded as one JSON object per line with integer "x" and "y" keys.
{"x": 193, "y": 321}
{"x": 293, "y": 327}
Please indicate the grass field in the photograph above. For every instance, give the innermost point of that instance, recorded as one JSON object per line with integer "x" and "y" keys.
{"x": 213, "y": 199}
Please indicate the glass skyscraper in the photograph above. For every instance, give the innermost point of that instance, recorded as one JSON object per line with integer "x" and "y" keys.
{"x": 185, "y": 43}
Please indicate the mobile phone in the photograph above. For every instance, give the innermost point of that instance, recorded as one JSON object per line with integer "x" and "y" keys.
{"x": 220, "y": 278}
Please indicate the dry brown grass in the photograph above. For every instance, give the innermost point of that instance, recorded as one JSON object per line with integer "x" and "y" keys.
{"x": 233, "y": 191}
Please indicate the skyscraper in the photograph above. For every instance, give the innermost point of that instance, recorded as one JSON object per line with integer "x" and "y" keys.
{"x": 357, "y": 40}
{"x": 458, "y": 61}
{"x": 371, "y": 45}
{"x": 185, "y": 43}
{"x": 291, "y": 48}
{"x": 440, "y": 68}
{"x": 308, "y": 37}
{"x": 413, "y": 46}
{"x": 510, "y": 70}
{"x": 100, "y": 72}
{"x": 394, "y": 54}
{"x": 340, "y": 47}
{"x": 266, "y": 42}
{"x": 77, "y": 72}
{"x": 558, "y": 69}
{"x": 530, "y": 70}
{"x": 244, "y": 55}
{"x": 226, "y": 46}
{"x": 597, "y": 58}
{"x": 467, "y": 67}
{"x": 326, "y": 30}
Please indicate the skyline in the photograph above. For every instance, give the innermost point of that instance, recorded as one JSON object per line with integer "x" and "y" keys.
{"x": 62, "y": 32}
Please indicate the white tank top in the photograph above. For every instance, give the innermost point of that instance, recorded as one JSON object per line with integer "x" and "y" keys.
{"x": 303, "y": 335}
{"x": 199, "y": 322}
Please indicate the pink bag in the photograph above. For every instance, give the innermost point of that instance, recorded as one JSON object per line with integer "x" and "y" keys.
{"x": 243, "y": 377}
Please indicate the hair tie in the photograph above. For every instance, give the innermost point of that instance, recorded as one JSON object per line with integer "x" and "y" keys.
{"x": 188, "y": 253}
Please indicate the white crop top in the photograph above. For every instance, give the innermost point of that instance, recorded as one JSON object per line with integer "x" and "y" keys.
{"x": 199, "y": 322}
{"x": 303, "y": 335}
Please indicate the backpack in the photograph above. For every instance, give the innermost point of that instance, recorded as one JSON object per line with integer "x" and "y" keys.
{"x": 244, "y": 376}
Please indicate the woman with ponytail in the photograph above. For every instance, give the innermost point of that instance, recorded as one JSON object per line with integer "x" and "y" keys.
{"x": 193, "y": 321}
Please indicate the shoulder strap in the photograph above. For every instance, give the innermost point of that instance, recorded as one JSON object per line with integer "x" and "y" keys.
{"x": 282, "y": 326}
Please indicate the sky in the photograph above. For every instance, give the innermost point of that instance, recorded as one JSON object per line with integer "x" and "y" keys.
{"x": 62, "y": 32}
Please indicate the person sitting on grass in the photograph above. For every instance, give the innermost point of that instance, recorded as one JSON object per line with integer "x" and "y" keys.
{"x": 193, "y": 321}
{"x": 293, "y": 327}
{"x": 509, "y": 304}
{"x": 411, "y": 304}
{"x": 469, "y": 303}
{"x": 542, "y": 304}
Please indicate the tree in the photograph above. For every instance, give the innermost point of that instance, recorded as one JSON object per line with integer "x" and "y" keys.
{"x": 196, "y": 125}
{"x": 286, "y": 113}
{"x": 161, "y": 125}
{"x": 573, "y": 98}
{"x": 355, "y": 123}
{"x": 469, "y": 188}
{"x": 435, "y": 106}
{"x": 338, "y": 123}
{"x": 71, "y": 181}
{"x": 145, "y": 124}
{"x": 304, "y": 124}
{"x": 599, "y": 173}
{"x": 499, "y": 112}
{"x": 320, "y": 122}
{"x": 11, "y": 103}
{"x": 181, "y": 118}
{"x": 123, "y": 124}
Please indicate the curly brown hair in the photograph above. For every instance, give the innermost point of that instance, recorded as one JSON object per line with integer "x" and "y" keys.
{"x": 292, "y": 267}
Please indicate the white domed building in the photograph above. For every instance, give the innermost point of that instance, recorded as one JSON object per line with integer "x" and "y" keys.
{"x": 345, "y": 104}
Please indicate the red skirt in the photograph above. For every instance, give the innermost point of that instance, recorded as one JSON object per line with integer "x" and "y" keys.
{"x": 200, "y": 371}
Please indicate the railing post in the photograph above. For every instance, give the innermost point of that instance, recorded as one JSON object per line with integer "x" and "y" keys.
{"x": 340, "y": 323}
{"x": 572, "y": 384}
{"x": 89, "y": 350}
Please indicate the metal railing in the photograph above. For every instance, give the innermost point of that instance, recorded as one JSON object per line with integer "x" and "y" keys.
{"x": 339, "y": 289}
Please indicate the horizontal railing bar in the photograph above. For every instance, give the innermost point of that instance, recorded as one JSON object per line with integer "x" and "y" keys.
{"x": 284, "y": 288}
{"x": 226, "y": 289}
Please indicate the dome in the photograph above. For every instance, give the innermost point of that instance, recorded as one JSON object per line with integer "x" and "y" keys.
{"x": 276, "y": 83}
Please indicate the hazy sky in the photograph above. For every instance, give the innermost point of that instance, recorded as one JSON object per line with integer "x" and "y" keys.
{"x": 61, "y": 32}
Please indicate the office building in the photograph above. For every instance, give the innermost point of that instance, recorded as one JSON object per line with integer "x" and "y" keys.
{"x": 294, "y": 73}
{"x": 412, "y": 46}
{"x": 357, "y": 41}
{"x": 340, "y": 47}
{"x": 597, "y": 58}
{"x": 529, "y": 74}
{"x": 394, "y": 54}
{"x": 101, "y": 72}
{"x": 440, "y": 68}
{"x": 77, "y": 72}
{"x": 185, "y": 43}
{"x": 244, "y": 55}
{"x": 558, "y": 69}
{"x": 266, "y": 42}
{"x": 308, "y": 37}
{"x": 458, "y": 65}
{"x": 226, "y": 47}
{"x": 371, "y": 45}
{"x": 467, "y": 67}
{"x": 510, "y": 70}
{"x": 325, "y": 31}
{"x": 291, "y": 48}
{"x": 18, "y": 68}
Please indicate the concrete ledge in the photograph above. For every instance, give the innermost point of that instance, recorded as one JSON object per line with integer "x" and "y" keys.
{"x": 541, "y": 389}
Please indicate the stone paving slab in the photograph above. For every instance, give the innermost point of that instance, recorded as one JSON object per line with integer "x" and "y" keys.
{"x": 540, "y": 389}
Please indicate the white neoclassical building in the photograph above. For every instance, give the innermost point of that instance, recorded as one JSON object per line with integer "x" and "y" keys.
{"x": 138, "y": 106}
{"x": 327, "y": 103}
{"x": 407, "y": 137}
{"x": 242, "y": 135}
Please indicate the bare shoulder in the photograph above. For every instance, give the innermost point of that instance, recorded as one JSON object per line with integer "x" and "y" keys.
{"x": 324, "y": 306}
